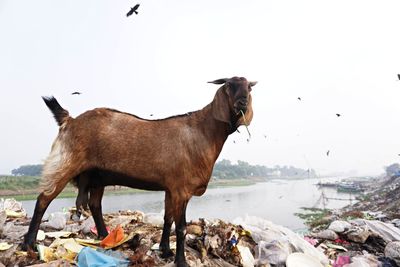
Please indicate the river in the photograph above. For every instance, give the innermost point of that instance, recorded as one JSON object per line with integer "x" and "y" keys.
{"x": 276, "y": 200}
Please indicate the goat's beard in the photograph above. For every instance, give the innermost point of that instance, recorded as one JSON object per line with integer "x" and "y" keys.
{"x": 244, "y": 118}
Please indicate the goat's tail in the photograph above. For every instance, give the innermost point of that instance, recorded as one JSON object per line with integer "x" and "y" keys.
{"x": 59, "y": 113}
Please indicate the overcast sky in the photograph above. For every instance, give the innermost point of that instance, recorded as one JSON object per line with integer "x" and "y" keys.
{"x": 338, "y": 56}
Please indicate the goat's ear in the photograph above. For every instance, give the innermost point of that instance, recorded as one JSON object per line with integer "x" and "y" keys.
{"x": 220, "y": 106}
{"x": 220, "y": 81}
{"x": 252, "y": 83}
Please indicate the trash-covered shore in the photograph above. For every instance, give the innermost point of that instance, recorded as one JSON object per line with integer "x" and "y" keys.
{"x": 365, "y": 234}
{"x": 65, "y": 240}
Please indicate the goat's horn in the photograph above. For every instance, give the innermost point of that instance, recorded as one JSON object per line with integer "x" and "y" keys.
{"x": 220, "y": 81}
{"x": 252, "y": 83}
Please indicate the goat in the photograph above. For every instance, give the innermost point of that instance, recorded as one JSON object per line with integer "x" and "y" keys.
{"x": 175, "y": 155}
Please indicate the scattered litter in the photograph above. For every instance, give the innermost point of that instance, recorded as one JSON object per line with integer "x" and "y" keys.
{"x": 339, "y": 226}
{"x": 115, "y": 238}
{"x": 12, "y": 208}
{"x": 40, "y": 235}
{"x": 58, "y": 234}
{"x": 154, "y": 218}
{"x": 341, "y": 261}
{"x": 156, "y": 246}
{"x": 247, "y": 259}
{"x": 94, "y": 230}
{"x": 329, "y": 245}
{"x": 57, "y": 220}
{"x": 392, "y": 250}
{"x": 46, "y": 254}
{"x": 5, "y": 246}
{"x": 89, "y": 257}
{"x": 299, "y": 259}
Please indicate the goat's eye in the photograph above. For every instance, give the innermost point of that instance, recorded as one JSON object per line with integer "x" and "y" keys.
{"x": 249, "y": 88}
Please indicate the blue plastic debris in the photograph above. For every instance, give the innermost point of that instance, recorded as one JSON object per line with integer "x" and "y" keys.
{"x": 89, "y": 257}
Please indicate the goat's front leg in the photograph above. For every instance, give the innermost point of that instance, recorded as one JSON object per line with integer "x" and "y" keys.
{"x": 164, "y": 244}
{"x": 180, "y": 229}
{"x": 96, "y": 194}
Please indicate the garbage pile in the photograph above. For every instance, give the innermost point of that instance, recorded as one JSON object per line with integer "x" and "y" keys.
{"x": 382, "y": 201}
{"x": 65, "y": 239}
{"x": 359, "y": 243}
{"x": 364, "y": 234}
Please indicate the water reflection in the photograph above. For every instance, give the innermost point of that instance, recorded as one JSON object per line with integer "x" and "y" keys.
{"x": 276, "y": 201}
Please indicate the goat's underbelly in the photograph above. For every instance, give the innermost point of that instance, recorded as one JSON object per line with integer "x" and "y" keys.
{"x": 106, "y": 177}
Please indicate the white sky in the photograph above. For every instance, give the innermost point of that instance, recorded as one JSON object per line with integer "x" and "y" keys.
{"x": 338, "y": 56}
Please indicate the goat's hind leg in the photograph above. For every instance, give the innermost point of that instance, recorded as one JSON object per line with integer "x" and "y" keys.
{"x": 82, "y": 200}
{"x": 164, "y": 244}
{"x": 42, "y": 202}
{"x": 96, "y": 194}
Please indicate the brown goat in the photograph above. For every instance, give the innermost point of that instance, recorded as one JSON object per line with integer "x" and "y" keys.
{"x": 175, "y": 155}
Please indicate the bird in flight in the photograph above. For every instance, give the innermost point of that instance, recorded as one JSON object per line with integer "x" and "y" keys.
{"x": 76, "y": 93}
{"x": 299, "y": 98}
{"x": 327, "y": 152}
{"x": 133, "y": 10}
{"x": 398, "y": 76}
{"x": 337, "y": 114}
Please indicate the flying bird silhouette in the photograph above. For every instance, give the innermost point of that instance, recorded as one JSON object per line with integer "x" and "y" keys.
{"x": 337, "y": 114}
{"x": 76, "y": 93}
{"x": 299, "y": 98}
{"x": 133, "y": 10}
{"x": 398, "y": 76}
{"x": 327, "y": 153}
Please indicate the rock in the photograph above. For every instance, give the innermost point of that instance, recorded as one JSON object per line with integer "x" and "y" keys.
{"x": 87, "y": 224}
{"x": 339, "y": 226}
{"x": 386, "y": 231}
{"x": 392, "y": 250}
{"x": 358, "y": 235}
{"x": 326, "y": 234}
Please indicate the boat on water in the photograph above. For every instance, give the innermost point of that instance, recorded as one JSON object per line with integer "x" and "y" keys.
{"x": 350, "y": 187}
{"x": 343, "y": 186}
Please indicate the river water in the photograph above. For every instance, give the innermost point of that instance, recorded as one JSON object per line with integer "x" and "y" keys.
{"x": 276, "y": 201}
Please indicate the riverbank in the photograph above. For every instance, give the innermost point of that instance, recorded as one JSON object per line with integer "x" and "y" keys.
{"x": 26, "y": 187}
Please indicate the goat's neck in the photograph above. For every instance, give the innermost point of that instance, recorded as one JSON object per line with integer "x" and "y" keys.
{"x": 216, "y": 132}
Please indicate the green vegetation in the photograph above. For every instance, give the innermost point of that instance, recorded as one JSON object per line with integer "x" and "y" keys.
{"x": 224, "y": 169}
{"x": 18, "y": 182}
{"x": 315, "y": 218}
{"x": 28, "y": 170}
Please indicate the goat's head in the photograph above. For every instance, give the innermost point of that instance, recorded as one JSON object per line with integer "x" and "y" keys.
{"x": 233, "y": 100}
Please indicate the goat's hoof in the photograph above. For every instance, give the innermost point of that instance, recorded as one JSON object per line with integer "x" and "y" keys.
{"x": 166, "y": 253}
{"x": 181, "y": 264}
{"x": 26, "y": 247}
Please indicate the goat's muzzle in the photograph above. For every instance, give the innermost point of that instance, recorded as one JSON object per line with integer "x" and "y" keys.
{"x": 241, "y": 105}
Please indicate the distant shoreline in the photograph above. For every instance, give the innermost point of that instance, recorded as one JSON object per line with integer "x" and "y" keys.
{"x": 71, "y": 192}
{"x": 22, "y": 189}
